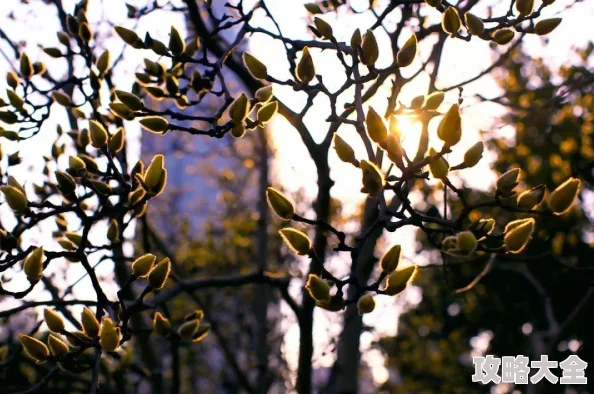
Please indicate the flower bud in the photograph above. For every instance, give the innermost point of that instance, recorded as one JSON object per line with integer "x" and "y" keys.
{"x": 76, "y": 164}
{"x": 61, "y": 99}
{"x": 33, "y": 265}
{"x": 434, "y": 100}
{"x": 78, "y": 338}
{"x": 503, "y": 36}
{"x": 238, "y": 131}
{"x": 296, "y": 240}
{"x": 450, "y": 21}
{"x": 34, "y": 348}
{"x": 159, "y": 274}
{"x": 279, "y": 203}
{"x": 132, "y": 101}
{"x": 306, "y": 70}
{"x": 335, "y": 304}
{"x": 356, "y": 40}
{"x": 239, "y": 109}
{"x": 176, "y": 42}
{"x": 129, "y": 37}
{"x": 109, "y": 335}
{"x": 143, "y": 265}
{"x": 518, "y": 234}
{"x": 264, "y": 94}
{"x": 562, "y": 198}
{"x": 161, "y": 325}
{"x": 188, "y": 329}
{"x": 26, "y": 67}
{"x": 255, "y": 66}
{"x": 154, "y": 172}
{"x": 394, "y": 149}
{"x": 344, "y": 151}
{"x": 98, "y": 134}
{"x": 103, "y": 62}
{"x": 528, "y": 199}
{"x": 66, "y": 182}
{"x": 323, "y": 28}
{"x": 407, "y": 53}
{"x": 366, "y": 304}
{"x": 113, "y": 231}
{"x": 373, "y": 178}
{"x": 466, "y": 242}
{"x": 116, "y": 142}
{"x": 439, "y": 167}
{"x": 17, "y": 201}
{"x": 85, "y": 32}
{"x": 370, "y": 50}
{"x": 57, "y": 346}
{"x": 473, "y": 155}
{"x": 201, "y": 333}
{"x": 546, "y": 26}
{"x": 89, "y": 323}
{"x": 53, "y": 320}
{"x": 450, "y": 127}
{"x": 12, "y": 79}
{"x": 375, "y": 126}
{"x": 318, "y": 288}
{"x": 399, "y": 279}
{"x": 155, "y": 124}
{"x": 485, "y": 226}
{"x": 524, "y": 7}
{"x": 390, "y": 260}
{"x": 266, "y": 112}
{"x": 507, "y": 182}
{"x": 474, "y": 24}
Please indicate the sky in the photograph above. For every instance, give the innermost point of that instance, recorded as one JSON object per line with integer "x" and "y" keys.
{"x": 462, "y": 61}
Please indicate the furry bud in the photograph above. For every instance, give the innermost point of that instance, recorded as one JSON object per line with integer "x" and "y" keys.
{"x": 318, "y": 288}
{"x": 53, "y": 320}
{"x": 159, "y": 274}
{"x": 450, "y": 127}
{"x": 279, "y": 203}
{"x": 518, "y": 234}
{"x": 306, "y": 70}
{"x": 34, "y": 348}
{"x": 390, "y": 260}
{"x": 562, "y": 198}
{"x": 143, "y": 265}
{"x": 90, "y": 323}
{"x": 399, "y": 279}
{"x": 296, "y": 240}
{"x": 366, "y": 304}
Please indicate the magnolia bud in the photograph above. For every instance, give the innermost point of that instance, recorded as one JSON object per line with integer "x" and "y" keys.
{"x": 154, "y": 172}
{"x": 16, "y": 200}
{"x": 102, "y": 188}
{"x": 433, "y": 3}
{"x": 473, "y": 155}
{"x": 466, "y": 242}
{"x": 176, "y": 43}
{"x": 399, "y": 279}
{"x": 546, "y": 26}
{"x": 407, "y": 53}
{"x": 66, "y": 182}
{"x": 198, "y": 314}
{"x": 188, "y": 329}
{"x": 89, "y": 323}
{"x": 394, "y": 149}
{"x": 434, "y": 100}
{"x": 143, "y": 265}
{"x": 439, "y": 167}
{"x": 238, "y": 131}
{"x": 12, "y": 79}
{"x": 485, "y": 226}
{"x": 450, "y": 21}
{"x": 296, "y": 240}
{"x": 518, "y": 234}
{"x": 239, "y": 109}
{"x": 356, "y": 40}
{"x": 132, "y": 101}
{"x": 335, "y": 304}
{"x": 390, "y": 260}
{"x": 85, "y": 32}
{"x": 116, "y": 142}
{"x": 113, "y": 231}
{"x": 562, "y": 198}
{"x": 58, "y": 347}
{"x": 507, "y": 182}
{"x": 375, "y": 126}
{"x": 450, "y": 127}
{"x": 370, "y": 50}
{"x": 344, "y": 151}
{"x": 474, "y": 24}
{"x": 524, "y": 7}
{"x": 528, "y": 199}
{"x": 26, "y": 67}
{"x": 33, "y": 265}
{"x": 279, "y": 203}
{"x": 201, "y": 333}
{"x": 109, "y": 335}
{"x": 373, "y": 178}
{"x": 264, "y": 94}
{"x": 161, "y": 325}
{"x": 159, "y": 274}
{"x": 103, "y": 62}
{"x": 318, "y": 288}
{"x": 306, "y": 70}
{"x": 53, "y": 320}
{"x": 155, "y": 124}
{"x": 266, "y": 112}
{"x": 34, "y": 348}
{"x": 366, "y": 304}
{"x": 503, "y": 36}
{"x": 76, "y": 164}
{"x": 61, "y": 99}
{"x": 323, "y": 28}
{"x": 98, "y": 134}
{"x": 255, "y": 66}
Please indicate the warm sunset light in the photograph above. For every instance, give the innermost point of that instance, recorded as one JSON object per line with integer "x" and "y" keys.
{"x": 308, "y": 196}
